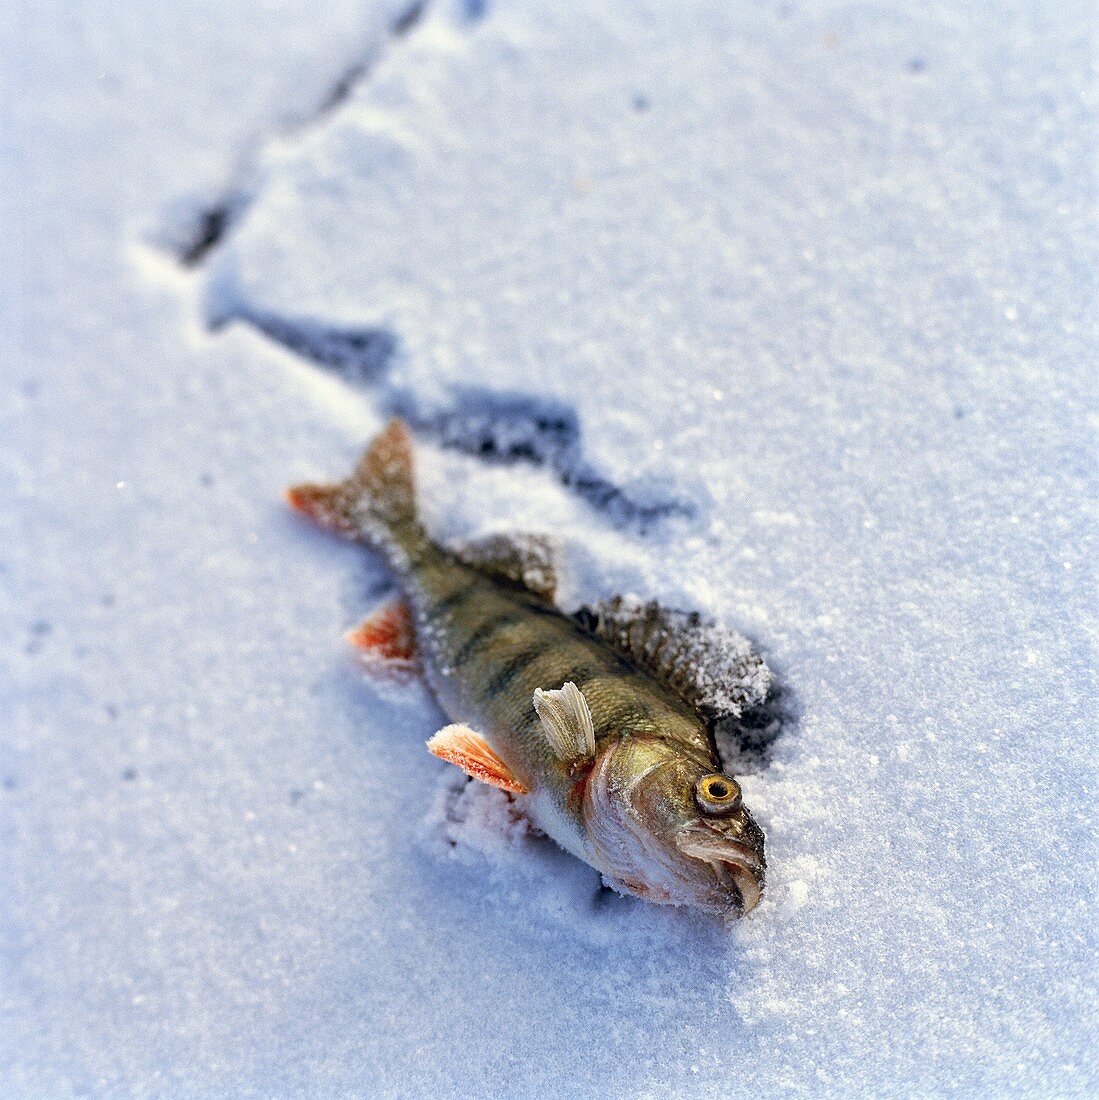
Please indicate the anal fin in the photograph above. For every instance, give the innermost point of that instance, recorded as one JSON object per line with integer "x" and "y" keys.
{"x": 468, "y": 750}
{"x": 385, "y": 641}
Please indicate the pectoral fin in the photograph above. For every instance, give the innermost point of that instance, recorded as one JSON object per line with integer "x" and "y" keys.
{"x": 467, "y": 749}
{"x": 566, "y": 720}
{"x": 522, "y": 560}
{"x": 711, "y": 668}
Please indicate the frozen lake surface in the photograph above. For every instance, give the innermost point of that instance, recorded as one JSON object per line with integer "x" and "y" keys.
{"x": 783, "y": 312}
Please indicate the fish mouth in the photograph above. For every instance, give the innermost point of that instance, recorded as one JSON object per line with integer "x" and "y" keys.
{"x": 746, "y": 882}
{"x": 739, "y": 868}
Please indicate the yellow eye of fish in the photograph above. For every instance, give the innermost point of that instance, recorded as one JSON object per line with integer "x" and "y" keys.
{"x": 717, "y": 794}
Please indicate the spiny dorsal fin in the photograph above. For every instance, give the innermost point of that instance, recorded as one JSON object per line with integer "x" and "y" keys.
{"x": 566, "y": 719}
{"x": 711, "y": 668}
{"x": 468, "y": 750}
{"x": 523, "y": 560}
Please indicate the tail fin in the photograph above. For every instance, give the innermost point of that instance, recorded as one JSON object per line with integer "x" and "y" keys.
{"x": 377, "y": 503}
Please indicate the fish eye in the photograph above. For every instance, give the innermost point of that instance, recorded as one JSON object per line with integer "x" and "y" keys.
{"x": 717, "y": 794}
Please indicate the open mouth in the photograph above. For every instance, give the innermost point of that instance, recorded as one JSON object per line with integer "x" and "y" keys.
{"x": 738, "y": 866}
{"x": 747, "y": 882}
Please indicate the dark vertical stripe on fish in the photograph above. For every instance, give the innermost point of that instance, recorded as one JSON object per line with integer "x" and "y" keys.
{"x": 509, "y": 669}
{"x": 629, "y": 712}
{"x": 578, "y": 674}
{"x": 482, "y": 634}
{"x": 450, "y": 601}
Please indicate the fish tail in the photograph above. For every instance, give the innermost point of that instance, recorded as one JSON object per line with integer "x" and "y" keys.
{"x": 377, "y": 503}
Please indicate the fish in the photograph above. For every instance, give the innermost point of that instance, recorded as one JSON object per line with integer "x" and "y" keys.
{"x": 597, "y": 723}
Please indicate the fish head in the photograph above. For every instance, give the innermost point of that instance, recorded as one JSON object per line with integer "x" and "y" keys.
{"x": 664, "y": 825}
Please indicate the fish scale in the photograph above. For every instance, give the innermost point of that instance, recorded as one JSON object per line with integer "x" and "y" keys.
{"x": 487, "y": 678}
{"x": 634, "y": 802}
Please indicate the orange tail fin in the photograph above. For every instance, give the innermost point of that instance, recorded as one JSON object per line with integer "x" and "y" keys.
{"x": 376, "y": 501}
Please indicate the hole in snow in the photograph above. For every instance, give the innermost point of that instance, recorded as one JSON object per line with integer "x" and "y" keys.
{"x": 744, "y": 744}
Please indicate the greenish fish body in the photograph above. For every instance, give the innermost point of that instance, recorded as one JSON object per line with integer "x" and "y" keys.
{"x": 626, "y": 776}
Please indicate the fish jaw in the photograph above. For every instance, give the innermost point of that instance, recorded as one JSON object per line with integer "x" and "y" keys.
{"x": 647, "y": 836}
{"x": 739, "y": 866}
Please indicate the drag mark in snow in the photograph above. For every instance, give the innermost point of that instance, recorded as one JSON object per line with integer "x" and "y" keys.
{"x": 357, "y": 355}
{"x": 210, "y": 225}
{"x": 491, "y": 425}
{"x": 357, "y": 72}
{"x": 494, "y": 426}
{"x": 515, "y": 427}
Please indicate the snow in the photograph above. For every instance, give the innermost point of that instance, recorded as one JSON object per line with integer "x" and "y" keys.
{"x": 783, "y": 313}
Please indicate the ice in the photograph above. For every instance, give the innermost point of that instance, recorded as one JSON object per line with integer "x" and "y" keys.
{"x": 780, "y": 312}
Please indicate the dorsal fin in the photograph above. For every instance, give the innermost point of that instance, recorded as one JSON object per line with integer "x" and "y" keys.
{"x": 711, "y": 668}
{"x": 522, "y": 560}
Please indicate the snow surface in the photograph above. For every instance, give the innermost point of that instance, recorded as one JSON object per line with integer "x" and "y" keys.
{"x": 788, "y": 313}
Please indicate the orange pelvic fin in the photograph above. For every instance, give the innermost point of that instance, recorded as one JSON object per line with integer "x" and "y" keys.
{"x": 468, "y": 750}
{"x": 385, "y": 640}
